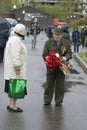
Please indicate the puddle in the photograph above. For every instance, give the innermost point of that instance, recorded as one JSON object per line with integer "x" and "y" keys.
{"x": 73, "y": 83}
{"x": 69, "y": 84}
{"x": 81, "y": 77}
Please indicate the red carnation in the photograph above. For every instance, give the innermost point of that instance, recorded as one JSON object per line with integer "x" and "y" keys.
{"x": 52, "y": 54}
{"x": 48, "y": 59}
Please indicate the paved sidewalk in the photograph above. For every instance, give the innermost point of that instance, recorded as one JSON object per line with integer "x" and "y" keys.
{"x": 70, "y": 116}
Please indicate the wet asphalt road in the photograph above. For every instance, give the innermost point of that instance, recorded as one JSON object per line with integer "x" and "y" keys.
{"x": 72, "y": 115}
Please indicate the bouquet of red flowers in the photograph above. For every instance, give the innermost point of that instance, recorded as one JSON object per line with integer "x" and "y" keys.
{"x": 53, "y": 60}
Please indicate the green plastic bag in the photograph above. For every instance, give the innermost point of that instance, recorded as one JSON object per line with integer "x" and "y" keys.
{"x": 17, "y": 88}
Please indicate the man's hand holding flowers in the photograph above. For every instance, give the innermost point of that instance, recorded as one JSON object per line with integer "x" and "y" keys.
{"x": 63, "y": 59}
{"x": 54, "y": 60}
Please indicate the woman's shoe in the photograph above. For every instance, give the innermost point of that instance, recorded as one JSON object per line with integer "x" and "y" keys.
{"x": 14, "y": 110}
{"x": 8, "y": 107}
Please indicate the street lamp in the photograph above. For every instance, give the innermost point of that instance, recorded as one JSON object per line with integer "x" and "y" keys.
{"x": 14, "y": 7}
{"x": 23, "y": 12}
{"x": 71, "y": 16}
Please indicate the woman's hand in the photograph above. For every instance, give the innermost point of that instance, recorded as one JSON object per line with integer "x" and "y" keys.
{"x": 18, "y": 72}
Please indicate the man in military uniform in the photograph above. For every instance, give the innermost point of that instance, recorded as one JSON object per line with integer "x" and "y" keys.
{"x": 55, "y": 79}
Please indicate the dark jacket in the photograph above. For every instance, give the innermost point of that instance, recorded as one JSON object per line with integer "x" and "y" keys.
{"x": 66, "y": 33}
{"x": 76, "y": 36}
{"x": 49, "y": 33}
{"x": 82, "y": 35}
{"x": 38, "y": 30}
{"x": 51, "y": 45}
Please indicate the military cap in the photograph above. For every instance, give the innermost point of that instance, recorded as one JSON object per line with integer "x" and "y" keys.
{"x": 58, "y": 31}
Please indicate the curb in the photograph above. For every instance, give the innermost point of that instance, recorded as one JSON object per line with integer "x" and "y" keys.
{"x": 81, "y": 62}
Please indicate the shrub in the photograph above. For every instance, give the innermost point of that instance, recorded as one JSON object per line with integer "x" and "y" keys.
{"x": 83, "y": 55}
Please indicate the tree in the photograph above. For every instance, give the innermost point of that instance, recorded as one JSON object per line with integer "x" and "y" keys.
{"x": 8, "y": 4}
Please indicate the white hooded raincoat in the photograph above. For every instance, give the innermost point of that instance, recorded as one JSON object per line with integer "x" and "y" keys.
{"x": 15, "y": 58}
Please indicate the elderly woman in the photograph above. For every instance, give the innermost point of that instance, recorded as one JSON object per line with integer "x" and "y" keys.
{"x": 15, "y": 62}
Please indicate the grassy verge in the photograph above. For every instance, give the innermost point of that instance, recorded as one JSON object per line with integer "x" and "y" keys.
{"x": 83, "y": 55}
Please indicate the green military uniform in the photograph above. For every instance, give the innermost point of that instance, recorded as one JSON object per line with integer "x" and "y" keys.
{"x": 55, "y": 79}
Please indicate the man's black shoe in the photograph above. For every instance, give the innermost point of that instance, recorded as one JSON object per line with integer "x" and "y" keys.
{"x": 46, "y": 104}
{"x": 58, "y": 104}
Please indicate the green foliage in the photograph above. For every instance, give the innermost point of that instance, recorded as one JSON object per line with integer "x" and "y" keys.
{"x": 8, "y": 4}
{"x": 79, "y": 22}
{"x": 63, "y": 11}
{"x": 60, "y": 11}
{"x": 83, "y": 55}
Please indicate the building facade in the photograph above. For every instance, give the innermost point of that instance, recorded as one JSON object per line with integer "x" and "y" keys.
{"x": 5, "y": 13}
{"x": 27, "y": 14}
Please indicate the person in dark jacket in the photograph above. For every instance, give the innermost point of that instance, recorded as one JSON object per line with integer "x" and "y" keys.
{"x": 86, "y": 37}
{"x": 34, "y": 31}
{"x": 3, "y": 38}
{"x": 66, "y": 33}
{"x": 76, "y": 39}
{"x": 55, "y": 80}
{"x": 83, "y": 36}
{"x": 49, "y": 33}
